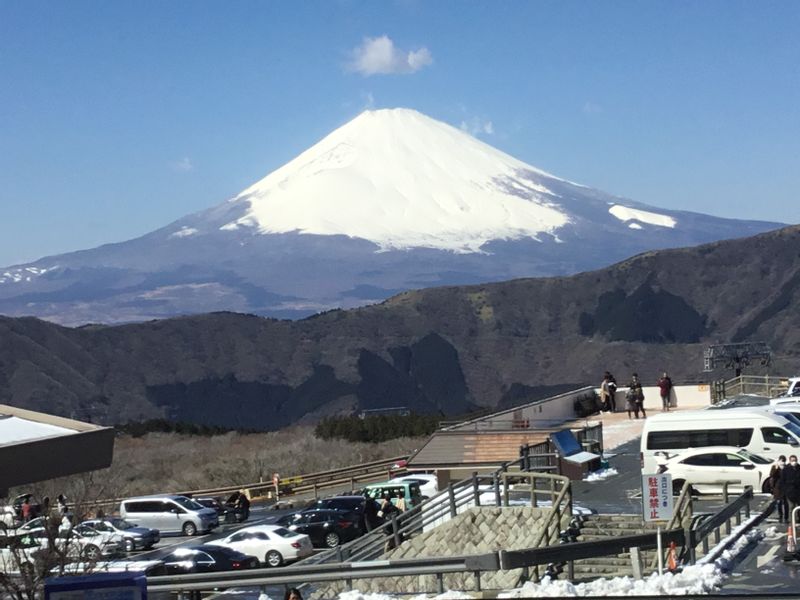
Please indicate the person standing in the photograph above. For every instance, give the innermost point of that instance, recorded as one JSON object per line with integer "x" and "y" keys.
{"x": 790, "y": 484}
{"x": 777, "y": 490}
{"x": 612, "y": 392}
{"x": 665, "y": 389}
{"x": 605, "y": 394}
{"x": 26, "y": 510}
{"x": 636, "y": 395}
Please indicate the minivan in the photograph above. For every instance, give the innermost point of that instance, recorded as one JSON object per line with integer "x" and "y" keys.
{"x": 408, "y": 491}
{"x": 758, "y": 430}
{"x": 169, "y": 514}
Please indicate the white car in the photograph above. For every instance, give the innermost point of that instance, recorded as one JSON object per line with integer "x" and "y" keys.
{"x": 705, "y": 468}
{"x": 271, "y": 544}
{"x": 18, "y": 554}
{"x": 88, "y": 543}
{"x": 428, "y": 484}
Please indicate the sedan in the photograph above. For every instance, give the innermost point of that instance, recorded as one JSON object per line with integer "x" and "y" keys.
{"x": 272, "y": 544}
{"x": 207, "y": 558}
{"x": 134, "y": 538}
{"x": 705, "y": 469}
{"x": 326, "y": 527}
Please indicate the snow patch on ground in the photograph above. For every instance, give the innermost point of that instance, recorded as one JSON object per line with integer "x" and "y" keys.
{"x": 183, "y": 232}
{"x": 699, "y": 579}
{"x": 625, "y": 213}
{"x": 24, "y": 274}
{"x": 403, "y": 180}
{"x": 601, "y": 474}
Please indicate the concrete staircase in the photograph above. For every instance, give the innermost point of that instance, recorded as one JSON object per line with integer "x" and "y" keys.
{"x": 605, "y": 527}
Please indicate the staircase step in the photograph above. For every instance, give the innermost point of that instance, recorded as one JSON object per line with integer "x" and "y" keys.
{"x": 615, "y": 531}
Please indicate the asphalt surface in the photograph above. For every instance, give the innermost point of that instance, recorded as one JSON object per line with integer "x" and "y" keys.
{"x": 759, "y": 568}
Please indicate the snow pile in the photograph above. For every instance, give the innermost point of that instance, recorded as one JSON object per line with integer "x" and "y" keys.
{"x": 625, "y": 213}
{"x": 601, "y": 474}
{"x": 699, "y": 579}
{"x": 403, "y": 180}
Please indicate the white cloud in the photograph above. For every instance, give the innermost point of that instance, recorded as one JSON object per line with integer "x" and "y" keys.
{"x": 184, "y": 165}
{"x": 476, "y": 126}
{"x": 379, "y": 56}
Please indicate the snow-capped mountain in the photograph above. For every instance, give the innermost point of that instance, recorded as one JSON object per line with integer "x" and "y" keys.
{"x": 392, "y": 200}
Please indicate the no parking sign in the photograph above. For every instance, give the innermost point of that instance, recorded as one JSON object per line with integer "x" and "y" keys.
{"x": 99, "y": 586}
{"x": 657, "y": 497}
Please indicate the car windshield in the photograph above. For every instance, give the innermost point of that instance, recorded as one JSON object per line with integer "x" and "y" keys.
{"x": 284, "y": 532}
{"x": 794, "y": 428}
{"x": 121, "y": 524}
{"x": 754, "y": 458}
{"x": 188, "y": 503}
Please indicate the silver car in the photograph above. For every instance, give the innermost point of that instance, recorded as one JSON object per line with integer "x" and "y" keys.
{"x": 169, "y": 514}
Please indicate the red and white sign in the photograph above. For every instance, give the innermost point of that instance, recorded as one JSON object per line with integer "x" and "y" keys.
{"x": 657, "y": 497}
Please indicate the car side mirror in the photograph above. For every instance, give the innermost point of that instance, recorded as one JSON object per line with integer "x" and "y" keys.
{"x": 793, "y": 442}
{"x": 748, "y": 465}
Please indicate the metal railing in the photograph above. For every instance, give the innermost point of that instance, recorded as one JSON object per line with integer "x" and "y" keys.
{"x": 308, "y": 572}
{"x": 299, "y": 484}
{"x": 762, "y": 385}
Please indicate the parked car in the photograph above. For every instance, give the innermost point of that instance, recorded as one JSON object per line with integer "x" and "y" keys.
{"x": 206, "y": 558}
{"x": 19, "y": 554}
{"x": 704, "y": 468}
{"x": 88, "y": 543}
{"x": 326, "y": 527}
{"x": 428, "y": 484}
{"x": 133, "y": 537}
{"x": 271, "y": 544}
{"x": 169, "y": 514}
{"x": 228, "y": 511}
{"x": 403, "y": 494}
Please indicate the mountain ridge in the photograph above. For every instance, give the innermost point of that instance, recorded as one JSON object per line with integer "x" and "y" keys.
{"x": 392, "y": 200}
{"x": 447, "y": 349}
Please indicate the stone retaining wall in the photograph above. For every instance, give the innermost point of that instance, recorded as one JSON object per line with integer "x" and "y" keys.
{"x": 477, "y": 531}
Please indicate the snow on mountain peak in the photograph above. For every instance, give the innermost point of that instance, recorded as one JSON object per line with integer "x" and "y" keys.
{"x": 401, "y": 179}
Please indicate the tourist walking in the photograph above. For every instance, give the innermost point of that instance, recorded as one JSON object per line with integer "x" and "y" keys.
{"x": 790, "y": 484}
{"x": 605, "y": 394}
{"x": 776, "y": 489}
{"x": 635, "y": 397}
{"x": 665, "y": 389}
{"x": 612, "y": 392}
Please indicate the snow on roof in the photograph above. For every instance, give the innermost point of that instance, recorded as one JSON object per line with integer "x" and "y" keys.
{"x": 14, "y": 430}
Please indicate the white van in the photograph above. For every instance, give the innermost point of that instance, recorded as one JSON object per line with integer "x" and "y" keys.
{"x": 758, "y": 430}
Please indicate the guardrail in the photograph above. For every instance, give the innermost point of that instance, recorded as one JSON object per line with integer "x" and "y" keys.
{"x": 299, "y": 484}
{"x": 763, "y": 385}
{"x": 310, "y": 572}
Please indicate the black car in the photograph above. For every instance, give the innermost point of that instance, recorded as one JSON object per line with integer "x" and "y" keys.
{"x": 203, "y": 559}
{"x": 235, "y": 509}
{"x": 346, "y": 503}
{"x": 326, "y": 527}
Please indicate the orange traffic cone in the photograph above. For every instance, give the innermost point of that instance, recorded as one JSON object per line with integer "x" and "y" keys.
{"x": 672, "y": 557}
{"x": 791, "y": 545}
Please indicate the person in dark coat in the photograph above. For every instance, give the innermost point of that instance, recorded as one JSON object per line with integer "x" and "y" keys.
{"x": 371, "y": 518}
{"x": 635, "y": 397}
{"x": 790, "y": 484}
{"x": 777, "y": 490}
{"x": 665, "y": 389}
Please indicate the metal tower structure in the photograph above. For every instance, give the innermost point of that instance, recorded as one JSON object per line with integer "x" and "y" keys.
{"x": 736, "y": 356}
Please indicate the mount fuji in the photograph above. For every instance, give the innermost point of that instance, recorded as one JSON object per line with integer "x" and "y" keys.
{"x": 390, "y": 201}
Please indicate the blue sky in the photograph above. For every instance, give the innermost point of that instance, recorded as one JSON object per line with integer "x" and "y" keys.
{"x": 119, "y": 117}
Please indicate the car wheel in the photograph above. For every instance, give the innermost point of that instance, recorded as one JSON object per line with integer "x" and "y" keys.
{"x": 189, "y": 529}
{"x": 130, "y": 545}
{"x": 677, "y": 486}
{"x": 332, "y": 539}
{"x": 91, "y": 552}
{"x": 273, "y": 558}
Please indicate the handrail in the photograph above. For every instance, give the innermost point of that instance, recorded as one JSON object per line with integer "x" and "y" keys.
{"x": 298, "y": 483}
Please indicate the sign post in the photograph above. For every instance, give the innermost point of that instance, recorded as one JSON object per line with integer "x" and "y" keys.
{"x": 657, "y": 505}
